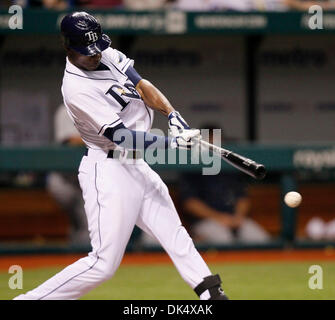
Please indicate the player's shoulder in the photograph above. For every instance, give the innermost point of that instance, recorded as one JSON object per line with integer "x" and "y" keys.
{"x": 117, "y": 58}
{"x": 114, "y": 55}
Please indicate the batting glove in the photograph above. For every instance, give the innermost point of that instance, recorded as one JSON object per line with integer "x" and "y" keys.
{"x": 186, "y": 139}
{"x": 177, "y": 124}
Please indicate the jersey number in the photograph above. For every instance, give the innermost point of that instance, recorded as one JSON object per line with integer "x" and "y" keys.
{"x": 118, "y": 92}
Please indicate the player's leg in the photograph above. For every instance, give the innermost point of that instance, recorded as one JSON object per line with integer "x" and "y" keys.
{"x": 206, "y": 230}
{"x": 159, "y": 218}
{"x": 112, "y": 202}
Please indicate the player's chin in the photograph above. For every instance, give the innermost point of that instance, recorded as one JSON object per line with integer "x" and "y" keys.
{"x": 92, "y": 67}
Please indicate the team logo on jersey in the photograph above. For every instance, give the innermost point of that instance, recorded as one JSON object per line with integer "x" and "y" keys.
{"x": 120, "y": 94}
{"x": 91, "y": 36}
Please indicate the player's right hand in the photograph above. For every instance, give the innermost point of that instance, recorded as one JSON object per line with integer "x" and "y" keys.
{"x": 186, "y": 139}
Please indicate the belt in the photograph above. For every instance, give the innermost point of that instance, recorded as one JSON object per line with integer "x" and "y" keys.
{"x": 116, "y": 154}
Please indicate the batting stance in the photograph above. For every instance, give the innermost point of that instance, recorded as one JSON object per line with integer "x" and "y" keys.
{"x": 112, "y": 108}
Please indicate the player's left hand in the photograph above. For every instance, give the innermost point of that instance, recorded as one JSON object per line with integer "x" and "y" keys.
{"x": 177, "y": 124}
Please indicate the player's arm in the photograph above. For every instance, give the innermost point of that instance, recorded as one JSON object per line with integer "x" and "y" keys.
{"x": 140, "y": 140}
{"x": 107, "y": 123}
{"x": 151, "y": 96}
{"x": 157, "y": 101}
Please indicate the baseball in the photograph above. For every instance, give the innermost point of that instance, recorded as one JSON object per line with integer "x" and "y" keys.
{"x": 293, "y": 199}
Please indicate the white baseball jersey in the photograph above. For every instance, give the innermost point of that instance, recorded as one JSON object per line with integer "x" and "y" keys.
{"x": 104, "y": 98}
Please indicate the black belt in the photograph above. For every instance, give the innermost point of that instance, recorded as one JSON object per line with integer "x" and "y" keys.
{"x": 116, "y": 154}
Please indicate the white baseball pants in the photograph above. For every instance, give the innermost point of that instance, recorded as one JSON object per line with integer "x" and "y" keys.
{"x": 119, "y": 194}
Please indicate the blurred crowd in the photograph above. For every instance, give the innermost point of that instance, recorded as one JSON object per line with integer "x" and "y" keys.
{"x": 186, "y": 5}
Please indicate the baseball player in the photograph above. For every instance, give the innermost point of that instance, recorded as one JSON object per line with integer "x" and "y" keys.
{"x": 112, "y": 108}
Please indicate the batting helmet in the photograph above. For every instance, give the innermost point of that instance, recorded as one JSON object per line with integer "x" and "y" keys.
{"x": 82, "y": 33}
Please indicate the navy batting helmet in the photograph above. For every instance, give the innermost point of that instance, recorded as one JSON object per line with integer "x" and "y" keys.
{"x": 82, "y": 33}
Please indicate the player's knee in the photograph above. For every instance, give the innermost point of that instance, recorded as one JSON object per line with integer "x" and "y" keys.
{"x": 103, "y": 274}
{"x": 106, "y": 269}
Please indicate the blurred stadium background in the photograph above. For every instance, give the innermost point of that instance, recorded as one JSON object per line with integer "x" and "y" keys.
{"x": 257, "y": 71}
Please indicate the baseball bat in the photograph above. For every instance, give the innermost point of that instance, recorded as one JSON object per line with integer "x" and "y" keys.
{"x": 241, "y": 163}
